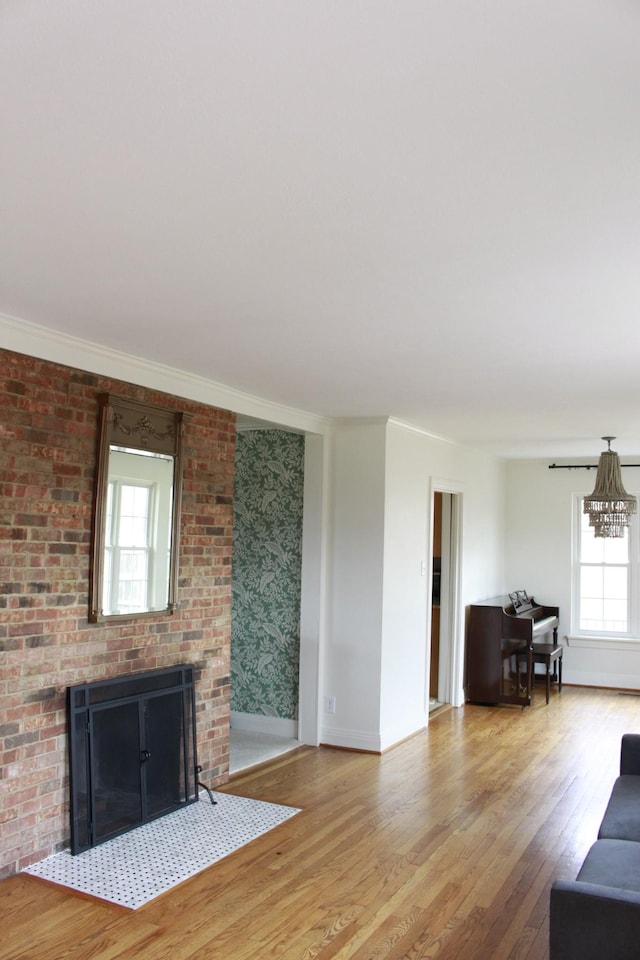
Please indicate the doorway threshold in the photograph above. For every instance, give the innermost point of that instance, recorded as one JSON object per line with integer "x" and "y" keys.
{"x": 248, "y": 748}
{"x": 436, "y": 707}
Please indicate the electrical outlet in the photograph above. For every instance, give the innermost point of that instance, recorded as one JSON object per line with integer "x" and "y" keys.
{"x": 330, "y": 704}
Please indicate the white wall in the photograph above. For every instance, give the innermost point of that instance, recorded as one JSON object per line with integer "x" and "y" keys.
{"x": 376, "y": 648}
{"x": 538, "y": 558}
{"x": 354, "y": 623}
{"x": 416, "y": 464}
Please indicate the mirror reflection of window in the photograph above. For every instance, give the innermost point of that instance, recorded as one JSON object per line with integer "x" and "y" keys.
{"x": 137, "y": 535}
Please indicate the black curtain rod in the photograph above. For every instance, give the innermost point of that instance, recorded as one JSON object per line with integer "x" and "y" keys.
{"x": 584, "y": 466}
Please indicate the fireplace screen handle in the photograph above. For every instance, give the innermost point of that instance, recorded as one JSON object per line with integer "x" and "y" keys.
{"x": 144, "y": 756}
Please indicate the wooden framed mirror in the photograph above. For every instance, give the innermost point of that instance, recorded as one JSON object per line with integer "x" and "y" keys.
{"x": 136, "y": 525}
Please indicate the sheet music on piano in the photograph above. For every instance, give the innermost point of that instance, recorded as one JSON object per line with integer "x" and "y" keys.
{"x": 500, "y": 632}
{"x": 520, "y": 601}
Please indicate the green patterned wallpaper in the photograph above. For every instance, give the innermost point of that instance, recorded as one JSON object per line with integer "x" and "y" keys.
{"x": 267, "y": 560}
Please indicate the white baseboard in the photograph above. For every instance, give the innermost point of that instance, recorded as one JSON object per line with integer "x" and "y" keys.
{"x": 258, "y": 723}
{"x": 350, "y": 739}
{"x": 372, "y": 742}
{"x": 613, "y": 681}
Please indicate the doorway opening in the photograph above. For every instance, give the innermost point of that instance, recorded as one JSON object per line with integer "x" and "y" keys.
{"x": 445, "y": 654}
{"x": 435, "y": 703}
{"x": 306, "y": 614}
{"x": 266, "y": 593}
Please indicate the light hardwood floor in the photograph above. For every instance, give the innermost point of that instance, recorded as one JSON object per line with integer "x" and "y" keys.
{"x": 444, "y": 847}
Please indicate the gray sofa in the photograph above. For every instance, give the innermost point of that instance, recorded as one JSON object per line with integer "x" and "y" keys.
{"x": 597, "y": 915}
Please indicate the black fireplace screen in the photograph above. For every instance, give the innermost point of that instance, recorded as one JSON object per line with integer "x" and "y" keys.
{"x": 132, "y": 751}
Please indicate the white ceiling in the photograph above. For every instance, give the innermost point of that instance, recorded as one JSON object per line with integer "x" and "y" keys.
{"x": 428, "y": 209}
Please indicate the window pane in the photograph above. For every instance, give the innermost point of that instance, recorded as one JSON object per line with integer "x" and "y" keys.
{"x": 133, "y": 532}
{"x": 134, "y": 516}
{"x": 615, "y": 615}
{"x": 615, "y": 583}
{"x": 132, "y": 593}
{"x": 591, "y": 547}
{"x": 133, "y": 564}
{"x": 108, "y": 567}
{"x": 108, "y": 529}
{"x": 590, "y": 612}
{"x": 128, "y": 499}
{"x": 591, "y": 582}
{"x": 616, "y": 549}
{"x": 602, "y": 549}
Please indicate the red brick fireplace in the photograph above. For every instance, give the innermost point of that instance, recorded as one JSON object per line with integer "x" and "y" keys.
{"x": 48, "y": 436}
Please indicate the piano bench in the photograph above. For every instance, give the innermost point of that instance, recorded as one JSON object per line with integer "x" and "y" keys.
{"x": 550, "y": 654}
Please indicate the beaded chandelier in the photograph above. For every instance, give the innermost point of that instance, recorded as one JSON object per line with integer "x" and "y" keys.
{"x": 609, "y": 507}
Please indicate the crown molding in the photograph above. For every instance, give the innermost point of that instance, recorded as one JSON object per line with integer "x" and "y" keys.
{"x": 34, "y": 340}
{"x": 359, "y": 421}
{"x": 415, "y": 428}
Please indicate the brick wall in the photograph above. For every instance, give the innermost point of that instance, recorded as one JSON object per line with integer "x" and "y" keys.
{"x": 48, "y": 436}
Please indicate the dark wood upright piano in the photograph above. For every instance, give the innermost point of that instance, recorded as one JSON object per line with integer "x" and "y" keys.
{"x": 500, "y": 632}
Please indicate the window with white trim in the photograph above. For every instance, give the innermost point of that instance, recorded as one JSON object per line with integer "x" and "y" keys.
{"x": 605, "y": 581}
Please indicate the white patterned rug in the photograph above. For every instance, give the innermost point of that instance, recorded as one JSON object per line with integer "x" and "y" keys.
{"x": 137, "y": 866}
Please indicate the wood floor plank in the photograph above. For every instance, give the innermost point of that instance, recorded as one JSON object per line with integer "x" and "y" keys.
{"x": 444, "y": 848}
